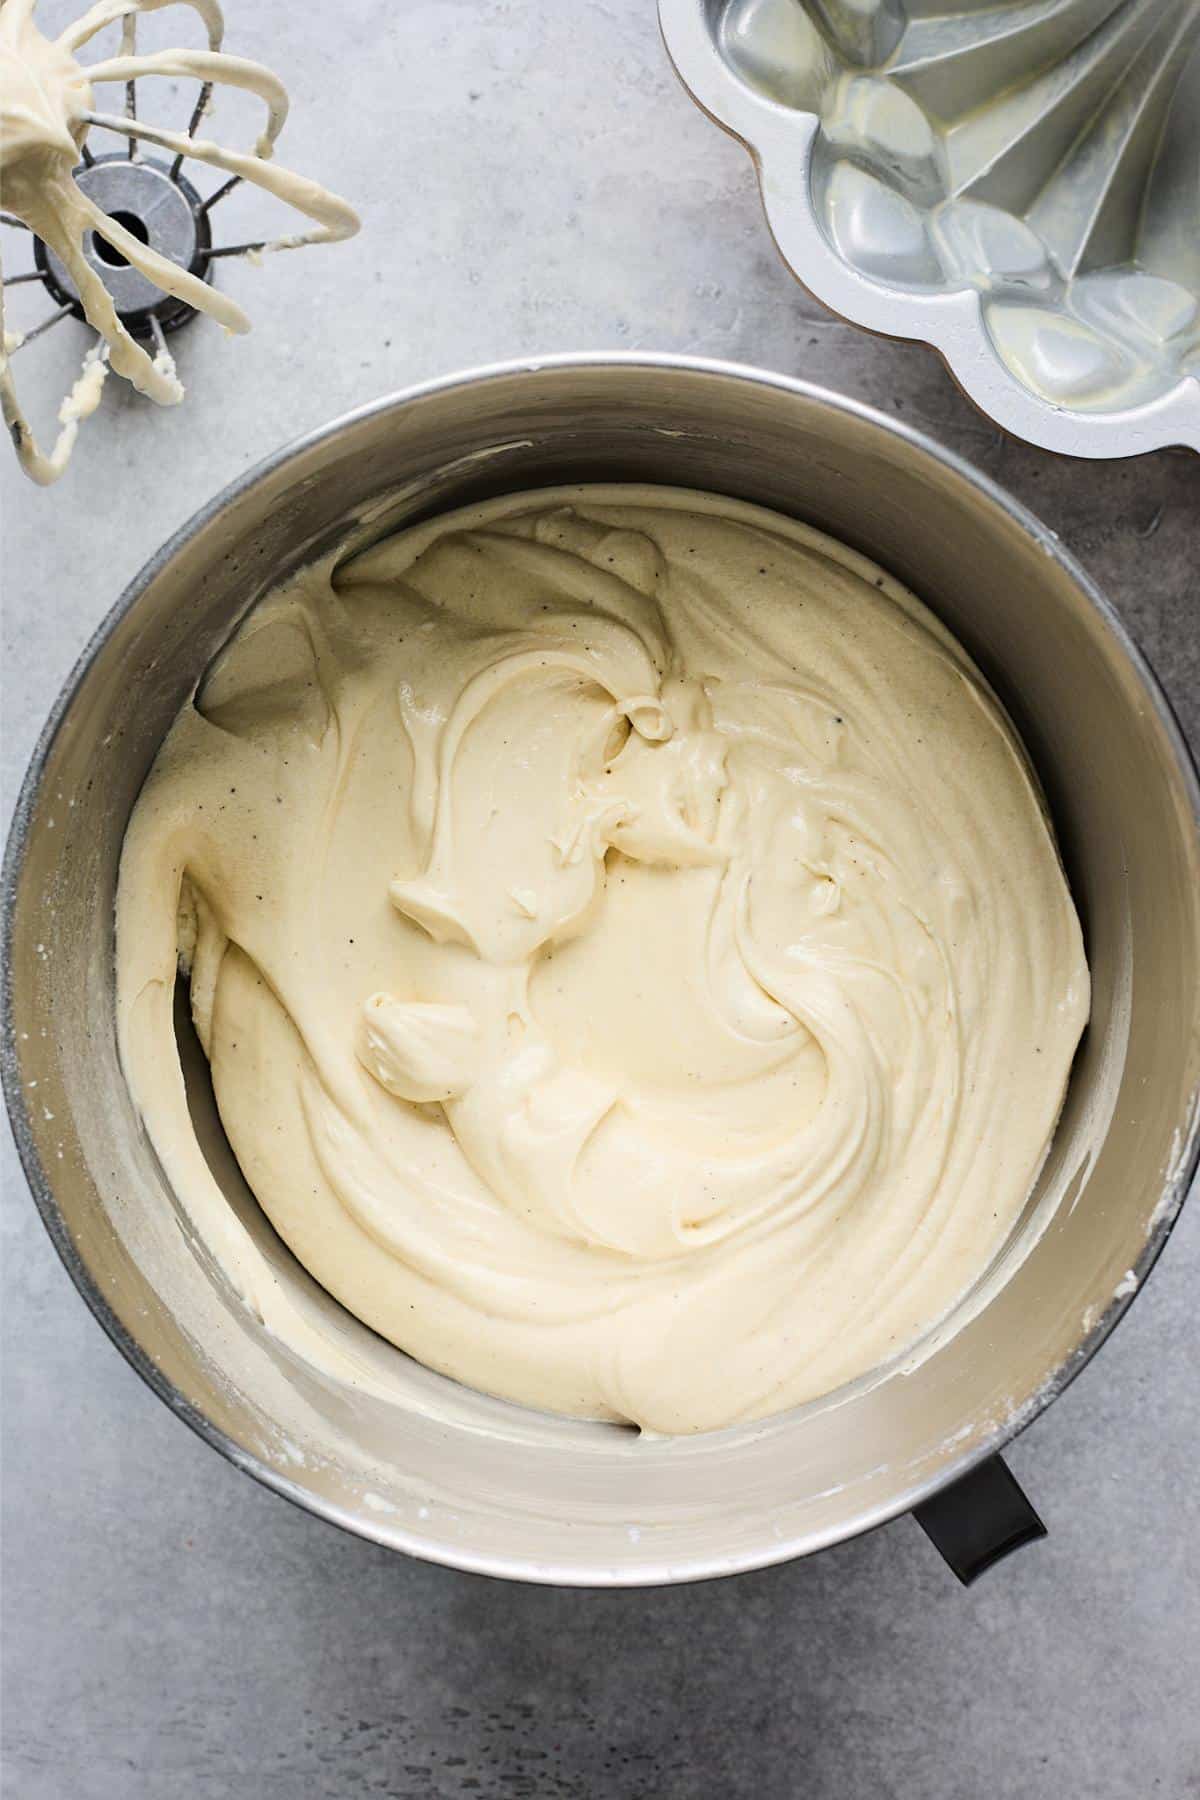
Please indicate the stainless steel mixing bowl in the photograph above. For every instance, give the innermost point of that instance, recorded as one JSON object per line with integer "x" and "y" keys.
{"x": 402, "y": 1455}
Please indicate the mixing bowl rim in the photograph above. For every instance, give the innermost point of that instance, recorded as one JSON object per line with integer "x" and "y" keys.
{"x": 595, "y": 1574}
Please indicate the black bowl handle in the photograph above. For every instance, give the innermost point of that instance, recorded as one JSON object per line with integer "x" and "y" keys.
{"x": 979, "y": 1518}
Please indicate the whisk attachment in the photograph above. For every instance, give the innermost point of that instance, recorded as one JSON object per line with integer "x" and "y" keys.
{"x": 123, "y": 239}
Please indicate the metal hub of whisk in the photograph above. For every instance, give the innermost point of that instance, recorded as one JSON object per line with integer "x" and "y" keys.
{"x": 155, "y": 201}
{"x": 162, "y": 209}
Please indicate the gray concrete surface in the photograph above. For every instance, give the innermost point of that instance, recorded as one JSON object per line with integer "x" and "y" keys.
{"x": 532, "y": 179}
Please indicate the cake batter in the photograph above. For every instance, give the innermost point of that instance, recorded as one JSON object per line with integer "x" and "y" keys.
{"x": 635, "y": 967}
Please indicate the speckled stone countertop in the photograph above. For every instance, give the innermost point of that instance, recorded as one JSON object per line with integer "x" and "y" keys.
{"x": 170, "y": 1628}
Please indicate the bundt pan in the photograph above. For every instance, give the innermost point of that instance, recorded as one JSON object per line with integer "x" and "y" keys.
{"x": 1017, "y": 185}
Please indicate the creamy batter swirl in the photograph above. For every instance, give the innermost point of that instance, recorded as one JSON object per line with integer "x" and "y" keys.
{"x": 636, "y": 970}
